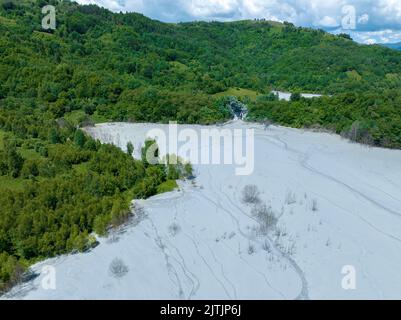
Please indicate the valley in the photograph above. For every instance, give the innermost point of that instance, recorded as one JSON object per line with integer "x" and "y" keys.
{"x": 337, "y": 205}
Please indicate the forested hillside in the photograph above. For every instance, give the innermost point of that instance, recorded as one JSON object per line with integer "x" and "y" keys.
{"x": 372, "y": 118}
{"x": 128, "y": 67}
{"x": 57, "y": 185}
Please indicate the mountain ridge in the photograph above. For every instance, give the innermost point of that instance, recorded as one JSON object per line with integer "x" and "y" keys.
{"x": 396, "y": 45}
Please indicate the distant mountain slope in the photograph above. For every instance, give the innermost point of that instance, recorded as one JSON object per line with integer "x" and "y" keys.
{"x": 208, "y": 57}
{"x": 396, "y": 46}
{"x": 126, "y": 67}
{"x": 114, "y": 66}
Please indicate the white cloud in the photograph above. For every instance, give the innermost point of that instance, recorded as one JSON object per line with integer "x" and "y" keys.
{"x": 382, "y": 36}
{"x": 328, "y": 22}
{"x": 110, "y": 4}
{"x": 201, "y": 8}
{"x": 371, "y": 15}
{"x": 363, "y": 19}
{"x": 370, "y": 41}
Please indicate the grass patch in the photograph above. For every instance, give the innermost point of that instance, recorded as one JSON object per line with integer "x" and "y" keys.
{"x": 7, "y": 182}
{"x": 2, "y": 134}
{"x": 10, "y": 183}
{"x": 42, "y": 35}
{"x": 82, "y": 168}
{"x": 178, "y": 65}
{"x": 76, "y": 117}
{"x": 29, "y": 154}
{"x": 97, "y": 118}
{"x": 7, "y": 22}
{"x": 168, "y": 186}
{"x": 239, "y": 93}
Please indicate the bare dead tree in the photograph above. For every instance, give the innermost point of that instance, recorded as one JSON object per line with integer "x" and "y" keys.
{"x": 315, "y": 206}
{"x": 251, "y": 249}
{"x": 267, "y": 124}
{"x": 265, "y": 216}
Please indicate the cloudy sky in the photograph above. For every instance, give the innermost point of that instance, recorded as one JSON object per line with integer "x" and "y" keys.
{"x": 368, "y": 21}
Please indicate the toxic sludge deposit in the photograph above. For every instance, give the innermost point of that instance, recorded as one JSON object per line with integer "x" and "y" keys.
{"x": 337, "y": 205}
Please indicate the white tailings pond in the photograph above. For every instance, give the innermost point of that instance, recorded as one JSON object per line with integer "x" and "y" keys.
{"x": 287, "y": 95}
{"x": 338, "y": 205}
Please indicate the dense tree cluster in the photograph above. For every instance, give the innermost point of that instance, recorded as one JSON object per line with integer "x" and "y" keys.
{"x": 70, "y": 185}
{"x": 370, "y": 118}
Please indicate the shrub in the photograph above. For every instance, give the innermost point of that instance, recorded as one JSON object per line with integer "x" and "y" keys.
{"x": 11, "y": 271}
{"x": 30, "y": 169}
{"x": 174, "y": 229}
{"x": 168, "y": 186}
{"x": 150, "y": 152}
{"x": 130, "y": 148}
{"x": 295, "y": 96}
{"x": 251, "y": 249}
{"x": 118, "y": 269}
{"x": 250, "y": 194}
{"x": 266, "y": 123}
{"x": 265, "y": 217}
